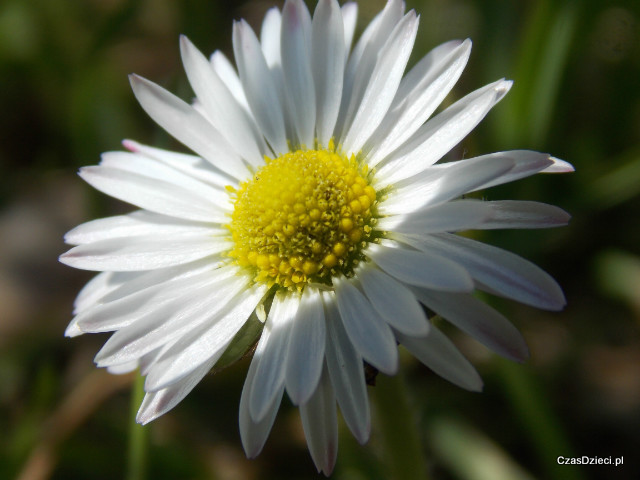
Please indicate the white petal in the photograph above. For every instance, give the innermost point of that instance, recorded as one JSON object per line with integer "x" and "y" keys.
{"x": 259, "y": 86}
{"x": 421, "y": 268}
{"x": 135, "y": 224}
{"x": 204, "y": 343}
{"x": 349, "y": 20}
{"x": 441, "y": 133}
{"x": 526, "y": 163}
{"x": 254, "y": 434}
{"x": 438, "y": 353}
{"x": 478, "y": 320}
{"x": 446, "y": 217}
{"x": 191, "y": 165}
{"x": 271, "y": 369}
{"x": 222, "y": 109}
{"x": 320, "y": 424}
{"x": 383, "y": 83}
{"x": 142, "y": 253}
{"x": 295, "y": 47}
{"x": 188, "y": 126}
{"x": 393, "y": 301}
{"x": 368, "y": 332}
{"x": 99, "y": 286}
{"x": 328, "y": 56}
{"x": 497, "y": 270}
{"x": 229, "y": 76}
{"x": 439, "y": 184}
{"x": 347, "y": 375}
{"x": 157, "y": 404}
{"x": 559, "y": 166}
{"x": 305, "y": 353}
{"x": 270, "y": 37}
{"x": 522, "y": 214}
{"x": 156, "y": 195}
{"x": 419, "y": 94}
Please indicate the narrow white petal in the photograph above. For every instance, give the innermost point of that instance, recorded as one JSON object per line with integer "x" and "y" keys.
{"x": 123, "y": 368}
{"x": 393, "y": 301}
{"x": 98, "y": 287}
{"x": 526, "y": 163}
{"x": 559, "y": 166}
{"x": 420, "y": 268}
{"x": 135, "y": 224}
{"x": 142, "y": 253}
{"x": 270, "y": 37}
{"x": 368, "y": 332}
{"x": 438, "y": 353}
{"x": 328, "y": 56}
{"x": 437, "y": 185}
{"x": 441, "y": 133}
{"x": 499, "y": 271}
{"x": 305, "y": 353}
{"x": 320, "y": 424}
{"x": 478, "y": 320}
{"x": 419, "y": 94}
{"x": 445, "y": 217}
{"x": 254, "y": 434}
{"x": 349, "y": 20}
{"x": 184, "y": 123}
{"x": 346, "y": 371}
{"x": 271, "y": 369}
{"x": 383, "y": 83}
{"x": 204, "y": 343}
{"x": 222, "y": 109}
{"x": 155, "y": 195}
{"x": 259, "y": 86}
{"x": 523, "y": 214}
{"x": 229, "y": 76}
{"x": 156, "y": 404}
{"x": 295, "y": 45}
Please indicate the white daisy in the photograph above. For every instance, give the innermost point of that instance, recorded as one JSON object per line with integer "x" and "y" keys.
{"x": 314, "y": 202}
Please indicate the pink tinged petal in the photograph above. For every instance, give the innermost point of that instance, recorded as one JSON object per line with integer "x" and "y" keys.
{"x": 437, "y": 185}
{"x": 383, "y": 83}
{"x": 155, "y": 195}
{"x": 185, "y": 124}
{"x": 345, "y": 368}
{"x": 222, "y": 109}
{"x": 156, "y": 404}
{"x": 446, "y": 217}
{"x": 320, "y": 424}
{"x": 254, "y": 434}
{"x": 191, "y": 165}
{"x": 305, "y": 353}
{"x": 420, "y": 268}
{"x": 227, "y": 73}
{"x": 523, "y": 214}
{"x": 295, "y": 45}
{"x": 271, "y": 370}
{"x": 438, "y": 353}
{"x": 419, "y": 94}
{"x": 259, "y": 86}
{"x": 205, "y": 343}
{"x": 497, "y": 270}
{"x": 440, "y": 134}
{"x": 349, "y": 19}
{"x": 366, "y": 329}
{"x": 478, "y": 320}
{"x": 393, "y": 301}
{"x": 270, "y": 37}
{"x": 142, "y": 253}
{"x": 136, "y": 224}
{"x": 328, "y": 62}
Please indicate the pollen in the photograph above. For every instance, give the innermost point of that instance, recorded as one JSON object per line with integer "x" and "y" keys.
{"x": 304, "y": 217}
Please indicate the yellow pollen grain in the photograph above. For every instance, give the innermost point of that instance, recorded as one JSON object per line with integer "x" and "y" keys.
{"x": 302, "y": 216}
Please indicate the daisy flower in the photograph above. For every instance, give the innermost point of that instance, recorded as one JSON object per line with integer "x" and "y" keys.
{"x": 312, "y": 219}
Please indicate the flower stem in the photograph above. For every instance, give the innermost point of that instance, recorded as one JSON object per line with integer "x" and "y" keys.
{"x": 398, "y": 430}
{"x": 137, "y": 461}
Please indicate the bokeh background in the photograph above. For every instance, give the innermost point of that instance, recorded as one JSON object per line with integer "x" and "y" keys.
{"x": 65, "y": 98}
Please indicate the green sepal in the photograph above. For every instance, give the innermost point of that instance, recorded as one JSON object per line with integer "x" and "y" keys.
{"x": 243, "y": 343}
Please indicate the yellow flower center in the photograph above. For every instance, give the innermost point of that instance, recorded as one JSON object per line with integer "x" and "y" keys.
{"x": 304, "y": 217}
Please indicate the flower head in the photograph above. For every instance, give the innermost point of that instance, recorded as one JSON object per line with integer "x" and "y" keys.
{"x": 313, "y": 219}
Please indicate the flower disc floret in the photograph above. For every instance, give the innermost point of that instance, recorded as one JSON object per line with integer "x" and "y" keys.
{"x": 304, "y": 217}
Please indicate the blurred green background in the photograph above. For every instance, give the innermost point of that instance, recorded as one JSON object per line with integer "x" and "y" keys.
{"x": 65, "y": 98}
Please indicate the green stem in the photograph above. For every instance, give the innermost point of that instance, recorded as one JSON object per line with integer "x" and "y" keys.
{"x": 398, "y": 430}
{"x": 137, "y": 461}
